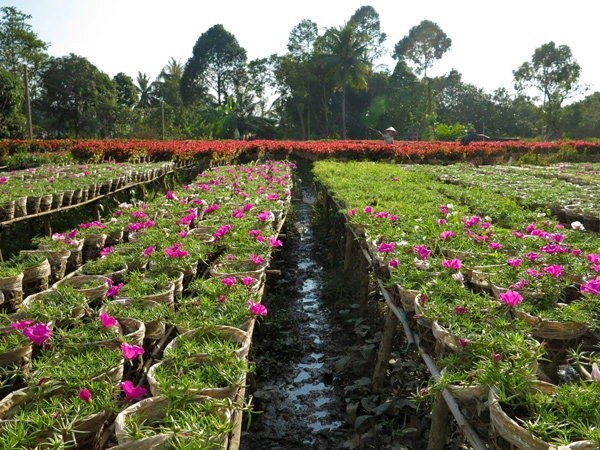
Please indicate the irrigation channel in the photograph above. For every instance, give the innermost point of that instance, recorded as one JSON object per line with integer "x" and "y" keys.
{"x": 316, "y": 349}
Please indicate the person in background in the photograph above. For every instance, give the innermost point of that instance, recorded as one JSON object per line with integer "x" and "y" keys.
{"x": 388, "y": 135}
{"x": 473, "y": 136}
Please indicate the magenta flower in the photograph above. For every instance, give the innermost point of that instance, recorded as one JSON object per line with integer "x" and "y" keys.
{"x": 38, "y": 333}
{"x": 248, "y": 207}
{"x": 591, "y": 287}
{"x": 264, "y": 215}
{"x": 495, "y": 245}
{"x": 422, "y": 251}
{"x": 496, "y": 356}
{"x": 519, "y": 285}
{"x": 453, "y": 264}
{"x": 170, "y": 195}
{"x": 441, "y": 221}
{"x": 352, "y": 212}
{"x": 532, "y": 256}
{"x": 131, "y": 351}
{"x": 222, "y": 299}
{"x": 474, "y": 220}
{"x": 114, "y": 290}
{"x": 107, "y": 321}
{"x": 463, "y": 342}
{"x": 386, "y": 248}
{"x": 228, "y": 281}
{"x": 554, "y": 270}
{"x": 511, "y": 298}
{"x": 85, "y": 395}
{"x": 248, "y": 280}
{"x": 443, "y": 209}
{"x": 393, "y": 263}
{"x": 275, "y": 242}
{"x": 517, "y": 234}
{"x": 182, "y": 233}
{"x": 175, "y": 251}
{"x": 595, "y": 267}
{"x": 255, "y": 232}
{"x": 21, "y": 325}
{"x": 514, "y": 262}
{"x": 149, "y": 250}
{"x": 256, "y": 259}
{"x": 106, "y": 251}
{"x": 132, "y": 392}
{"x": 257, "y": 309}
{"x": 593, "y": 258}
{"x": 534, "y": 273}
{"x": 368, "y": 209}
{"x": 446, "y": 235}
{"x": 460, "y": 310}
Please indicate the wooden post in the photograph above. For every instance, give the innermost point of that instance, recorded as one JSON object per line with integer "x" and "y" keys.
{"x": 96, "y": 211}
{"x": 437, "y": 433}
{"x": 349, "y": 254}
{"x": 363, "y": 295}
{"x": 47, "y": 226}
{"x": 385, "y": 351}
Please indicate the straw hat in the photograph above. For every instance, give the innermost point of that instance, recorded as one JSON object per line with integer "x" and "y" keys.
{"x": 391, "y": 129}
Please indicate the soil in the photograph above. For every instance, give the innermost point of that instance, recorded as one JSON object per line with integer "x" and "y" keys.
{"x": 315, "y": 353}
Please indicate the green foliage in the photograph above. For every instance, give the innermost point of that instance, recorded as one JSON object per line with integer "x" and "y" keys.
{"x": 444, "y": 132}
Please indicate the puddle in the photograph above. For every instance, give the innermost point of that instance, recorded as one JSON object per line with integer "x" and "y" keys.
{"x": 298, "y": 401}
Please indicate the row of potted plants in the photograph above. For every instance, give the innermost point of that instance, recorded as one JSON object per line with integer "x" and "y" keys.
{"x": 493, "y": 289}
{"x": 232, "y": 208}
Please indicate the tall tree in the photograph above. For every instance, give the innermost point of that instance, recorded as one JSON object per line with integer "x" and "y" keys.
{"x": 367, "y": 21}
{"x": 346, "y": 53}
{"x": 168, "y": 85}
{"x": 78, "y": 100}
{"x": 555, "y": 73}
{"x": 216, "y": 64}
{"x": 126, "y": 90}
{"x": 19, "y": 45}
{"x": 12, "y": 121}
{"x": 146, "y": 91}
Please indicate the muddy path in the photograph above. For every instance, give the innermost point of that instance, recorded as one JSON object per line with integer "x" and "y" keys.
{"x": 315, "y": 354}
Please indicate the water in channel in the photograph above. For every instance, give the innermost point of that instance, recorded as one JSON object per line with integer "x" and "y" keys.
{"x": 293, "y": 383}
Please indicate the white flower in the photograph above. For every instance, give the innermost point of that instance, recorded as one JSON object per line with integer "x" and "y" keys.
{"x": 450, "y": 206}
{"x": 577, "y": 225}
{"x": 419, "y": 220}
{"x": 402, "y": 243}
{"x": 423, "y": 265}
{"x": 458, "y": 277}
{"x": 541, "y": 214}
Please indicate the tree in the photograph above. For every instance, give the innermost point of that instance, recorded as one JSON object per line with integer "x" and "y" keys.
{"x": 367, "y": 21}
{"x": 555, "y": 73}
{"x": 424, "y": 44}
{"x": 302, "y": 39}
{"x": 216, "y": 64}
{"x": 345, "y": 53}
{"x": 145, "y": 90}
{"x": 582, "y": 119}
{"x": 126, "y": 90}
{"x": 12, "y": 121}
{"x": 168, "y": 86}
{"x": 78, "y": 100}
{"x": 19, "y": 45}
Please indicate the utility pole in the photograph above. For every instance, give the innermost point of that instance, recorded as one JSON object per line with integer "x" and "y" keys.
{"x": 162, "y": 104}
{"x": 28, "y": 102}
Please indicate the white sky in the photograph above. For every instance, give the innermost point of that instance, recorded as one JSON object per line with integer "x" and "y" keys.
{"x": 490, "y": 39}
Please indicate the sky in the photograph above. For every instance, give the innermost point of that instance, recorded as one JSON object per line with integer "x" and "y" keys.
{"x": 490, "y": 38}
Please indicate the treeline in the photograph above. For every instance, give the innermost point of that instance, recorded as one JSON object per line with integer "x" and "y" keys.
{"x": 327, "y": 86}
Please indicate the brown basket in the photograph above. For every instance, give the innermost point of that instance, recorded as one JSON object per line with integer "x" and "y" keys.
{"x": 92, "y": 294}
{"x": 33, "y": 204}
{"x": 92, "y": 245}
{"x": 19, "y": 356}
{"x": 57, "y": 199}
{"x": 235, "y": 335}
{"x": 7, "y": 211}
{"x": 76, "y": 197}
{"x": 58, "y": 262}
{"x": 12, "y": 292}
{"x": 67, "y": 197}
{"x": 21, "y": 207}
{"x": 152, "y": 409}
{"x": 35, "y": 279}
{"x": 46, "y": 203}
{"x": 76, "y": 259}
{"x": 166, "y": 296}
{"x": 155, "y": 329}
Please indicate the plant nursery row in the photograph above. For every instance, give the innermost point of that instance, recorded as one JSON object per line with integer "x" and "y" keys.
{"x": 133, "y": 331}
{"x": 497, "y": 286}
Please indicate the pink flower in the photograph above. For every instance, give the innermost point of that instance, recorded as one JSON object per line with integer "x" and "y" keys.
{"x": 511, "y": 298}
{"x": 517, "y": 234}
{"x": 107, "y": 321}
{"x": 170, "y": 195}
{"x": 264, "y": 215}
{"x": 85, "y": 395}
{"x": 106, "y": 251}
{"x": 38, "y": 333}
{"x": 441, "y": 221}
{"x": 532, "y": 256}
{"x": 386, "y": 248}
{"x": 534, "y": 273}
{"x": 460, "y": 310}
{"x": 443, "y": 209}
{"x": 114, "y": 290}
{"x": 275, "y": 242}
{"x": 446, "y": 235}
{"x": 222, "y": 299}
{"x": 595, "y": 267}
{"x": 595, "y": 372}
{"x": 228, "y": 281}
{"x": 393, "y": 263}
{"x": 463, "y": 342}
{"x": 593, "y": 258}
{"x": 368, "y": 209}
{"x": 131, "y": 351}
{"x": 257, "y": 309}
{"x": 21, "y": 325}
{"x": 495, "y": 245}
{"x": 183, "y": 233}
{"x": 591, "y": 287}
{"x": 422, "y": 251}
{"x": 453, "y": 264}
{"x": 175, "y": 251}
{"x": 496, "y": 356}
{"x": 554, "y": 270}
{"x": 351, "y": 212}
{"x": 132, "y": 392}
{"x": 148, "y": 251}
{"x": 256, "y": 259}
{"x": 514, "y": 262}
{"x": 248, "y": 280}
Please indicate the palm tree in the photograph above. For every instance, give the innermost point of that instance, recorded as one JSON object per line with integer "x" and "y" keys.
{"x": 169, "y": 83}
{"x": 345, "y": 52}
{"x": 145, "y": 90}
